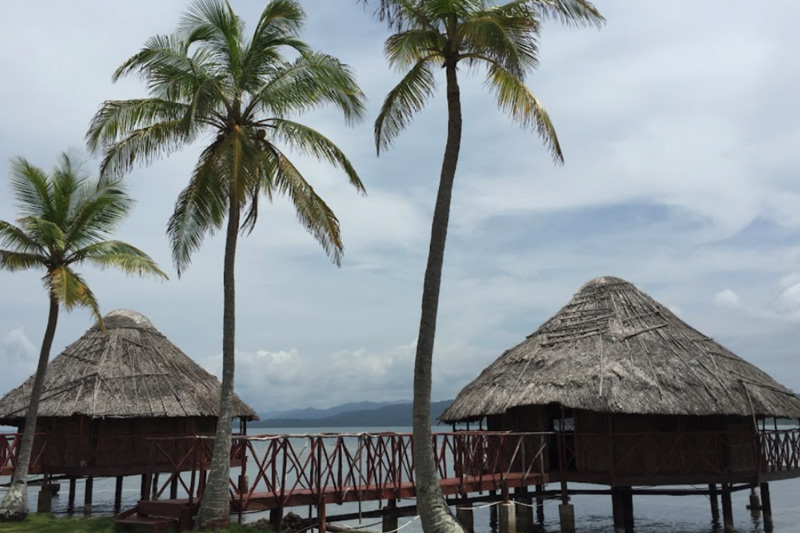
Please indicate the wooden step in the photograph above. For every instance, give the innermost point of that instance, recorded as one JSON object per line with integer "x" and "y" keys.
{"x": 158, "y": 515}
{"x": 148, "y": 523}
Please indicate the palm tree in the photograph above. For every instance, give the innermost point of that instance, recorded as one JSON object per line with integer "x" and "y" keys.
{"x": 433, "y": 34}
{"x": 65, "y": 219}
{"x": 208, "y": 77}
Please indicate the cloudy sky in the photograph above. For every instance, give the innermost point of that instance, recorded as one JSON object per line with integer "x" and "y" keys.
{"x": 681, "y": 130}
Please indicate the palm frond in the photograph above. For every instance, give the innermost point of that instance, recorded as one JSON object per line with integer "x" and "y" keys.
{"x": 278, "y": 27}
{"x": 401, "y": 15}
{"x": 309, "y": 141}
{"x": 312, "y": 212}
{"x": 200, "y": 208}
{"x": 102, "y": 208}
{"x": 145, "y": 144}
{"x": 214, "y": 24}
{"x": 169, "y": 71}
{"x": 17, "y": 261}
{"x": 569, "y": 12}
{"x": 116, "y": 118}
{"x": 31, "y": 188}
{"x": 408, "y": 47}
{"x": 449, "y": 9}
{"x": 71, "y": 290}
{"x": 43, "y": 231}
{"x": 508, "y": 34}
{"x": 120, "y": 255}
{"x": 311, "y": 80}
{"x": 16, "y": 240}
{"x": 521, "y": 104}
{"x": 407, "y": 98}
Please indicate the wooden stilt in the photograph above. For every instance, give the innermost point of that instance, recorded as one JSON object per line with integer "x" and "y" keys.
{"x": 71, "y": 497}
{"x": 44, "y": 503}
{"x": 148, "y": 487}
{"x": 173, "y": 488}
{"x": 87, "y": 496}
{"x": 464, "y": 514}
{"x": 321, "y": 517}
{"x": 493, "y": 512}
{"x": 154, "y": 483}
{"x": 713, "y": 497}
{"x": 539, "y": 504}
{"x": 618, "y": 511}
{"x": 508, "y": 517}
{"x": 566, "y": 515}
{"x": 755, "y": 503}
{"x": 727, "y": 508}
{"x": 766, "y": 507}
{"x": 524, "y": 513}
{"x": 276, "y": 518}
{"x": 201, "y": 487}
{"x": 390, "y": 522}
{"x": 627, "y": 506}
{"x": 118, "y": 495}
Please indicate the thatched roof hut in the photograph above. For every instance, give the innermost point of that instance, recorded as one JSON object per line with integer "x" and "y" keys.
{"x": 614, "y": 349}
{"x": 128, "y": 371}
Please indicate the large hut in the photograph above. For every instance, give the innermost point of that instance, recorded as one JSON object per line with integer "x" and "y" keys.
{"x": 623, "y": 393}
{"x": 116, "y": 402}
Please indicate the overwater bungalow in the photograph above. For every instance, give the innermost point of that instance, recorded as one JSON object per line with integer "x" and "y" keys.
{"x": 118, "y": 402}
{"x": 625, "y": 394}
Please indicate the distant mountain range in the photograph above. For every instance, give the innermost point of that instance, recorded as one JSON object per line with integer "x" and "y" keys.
{"x": 364, "y": 414}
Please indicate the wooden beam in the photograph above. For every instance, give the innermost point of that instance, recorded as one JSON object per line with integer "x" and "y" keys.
{"x": 712, "y": 496}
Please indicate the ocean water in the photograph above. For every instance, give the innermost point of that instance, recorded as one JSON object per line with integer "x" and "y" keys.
{"x": 653, "y": 514}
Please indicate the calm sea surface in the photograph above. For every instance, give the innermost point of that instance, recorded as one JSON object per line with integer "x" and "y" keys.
{"x": 653, "y": 514}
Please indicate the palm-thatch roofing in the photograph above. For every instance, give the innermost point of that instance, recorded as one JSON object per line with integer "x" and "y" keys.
{"x": 614, "y": 349}
{"x": 130, "y": 370}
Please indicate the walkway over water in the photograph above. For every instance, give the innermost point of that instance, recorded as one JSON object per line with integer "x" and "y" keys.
{"x": 275, "y": 472}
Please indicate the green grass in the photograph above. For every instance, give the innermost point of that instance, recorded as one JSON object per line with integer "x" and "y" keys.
{"x": 49, "y": 524}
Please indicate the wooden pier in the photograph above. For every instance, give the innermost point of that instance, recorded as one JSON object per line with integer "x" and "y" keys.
{"x": 278, "y": 472}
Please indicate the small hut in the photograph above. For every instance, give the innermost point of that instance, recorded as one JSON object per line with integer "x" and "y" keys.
{"x": 110, "y": 396}
{"x": 624, "y": 393}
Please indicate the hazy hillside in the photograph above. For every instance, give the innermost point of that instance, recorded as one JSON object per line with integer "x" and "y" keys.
{"x": 311, "y": 412}
{"x": 385, "y": 415}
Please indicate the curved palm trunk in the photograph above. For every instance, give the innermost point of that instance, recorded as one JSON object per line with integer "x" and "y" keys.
{"x": 15, "y": 503}
{"x": 215, "y": 507}
{"x": 436, "y": 516}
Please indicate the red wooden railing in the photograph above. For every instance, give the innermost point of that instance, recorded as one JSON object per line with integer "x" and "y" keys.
{"x": 342, "y": 467}
{"x": 780, "y": 449}
{"x": 339, "y": 464}
{"x": 9, "y": 450}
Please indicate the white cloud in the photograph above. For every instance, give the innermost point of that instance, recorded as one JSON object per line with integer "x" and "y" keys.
{"x": 727, "y": 298}
{"x": 19, "y": 356}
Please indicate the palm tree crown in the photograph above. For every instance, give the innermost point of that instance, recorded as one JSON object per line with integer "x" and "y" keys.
{"x": 434, "y": 34}
{"x": 208, "y": 77}
{"x": 66, "y": 218}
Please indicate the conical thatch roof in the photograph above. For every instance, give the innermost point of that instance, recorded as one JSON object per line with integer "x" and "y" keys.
{"x": 613, "y": 348}
{"x": 129, "y": 371}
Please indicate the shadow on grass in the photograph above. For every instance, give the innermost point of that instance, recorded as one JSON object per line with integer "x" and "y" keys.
{"x": 36, "y": 523}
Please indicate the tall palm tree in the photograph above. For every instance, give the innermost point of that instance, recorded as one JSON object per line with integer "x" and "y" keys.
{"x": 66, "y": 218}
{"x": 208, "y": 77}
{"x": 446, "y": 34}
